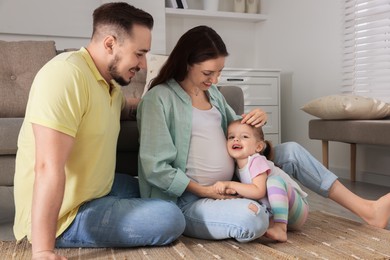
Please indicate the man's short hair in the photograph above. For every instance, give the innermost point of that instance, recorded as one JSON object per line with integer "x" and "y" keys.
{"x": 119, "y": 17}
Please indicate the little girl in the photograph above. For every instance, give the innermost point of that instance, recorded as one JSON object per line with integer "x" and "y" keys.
{"x": 261, "y": 180}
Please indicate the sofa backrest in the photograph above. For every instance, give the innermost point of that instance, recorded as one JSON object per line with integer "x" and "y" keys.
{"x": 19, "y": 63}
{"x": 234, "y": 96}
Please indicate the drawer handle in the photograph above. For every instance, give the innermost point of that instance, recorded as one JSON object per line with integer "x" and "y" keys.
{"x": 233, "y": 79}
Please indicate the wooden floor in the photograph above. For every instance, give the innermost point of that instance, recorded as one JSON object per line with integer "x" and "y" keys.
{"x": 365, "y": 190}
{"x": 316, "y": 202}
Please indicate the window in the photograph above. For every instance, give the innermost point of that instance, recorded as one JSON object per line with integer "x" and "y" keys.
{"x": 366, "y": 59}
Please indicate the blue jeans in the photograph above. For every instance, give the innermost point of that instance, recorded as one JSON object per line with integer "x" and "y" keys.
{"x": 301, "y": 165}
{"x": 221, "y": 219}
{"x": 123, "y": 219}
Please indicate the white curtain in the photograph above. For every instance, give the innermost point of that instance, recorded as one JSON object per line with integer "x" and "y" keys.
{"x": 366, "y": 59}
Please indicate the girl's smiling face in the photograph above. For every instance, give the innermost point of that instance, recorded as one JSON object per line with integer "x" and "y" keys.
{"x": 242, "y": 141}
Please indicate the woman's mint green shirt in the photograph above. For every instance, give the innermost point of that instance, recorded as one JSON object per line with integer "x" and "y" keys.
{"x": 164, "y": 118}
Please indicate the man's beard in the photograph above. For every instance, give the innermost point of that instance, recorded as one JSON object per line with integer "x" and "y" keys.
{"x": 112, "y": 69}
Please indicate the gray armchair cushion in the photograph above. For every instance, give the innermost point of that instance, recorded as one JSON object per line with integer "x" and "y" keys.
{"x": 234, "y": 97}
{"x": 19, "y": 63}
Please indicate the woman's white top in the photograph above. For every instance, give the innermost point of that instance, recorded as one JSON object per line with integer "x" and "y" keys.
{"x": 208, "y": 159}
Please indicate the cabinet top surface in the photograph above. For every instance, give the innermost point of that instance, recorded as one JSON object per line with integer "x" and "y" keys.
{"x": 250, "y": 69}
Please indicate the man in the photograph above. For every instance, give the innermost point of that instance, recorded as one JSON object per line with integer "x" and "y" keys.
{"x": 65, "y": 191}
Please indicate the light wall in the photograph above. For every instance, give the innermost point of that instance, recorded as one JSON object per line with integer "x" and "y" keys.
{"x": 304, "y": 39}
{"x": 68, "y": 23}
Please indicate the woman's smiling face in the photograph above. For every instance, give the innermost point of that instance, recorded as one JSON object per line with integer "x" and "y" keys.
{"x": 203, "y": 74}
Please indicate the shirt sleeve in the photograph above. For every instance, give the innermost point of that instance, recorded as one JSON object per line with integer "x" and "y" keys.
{"x": 58, "y": 98}
{"x": 258, "y": 165}
{"x": 157, "y": 148}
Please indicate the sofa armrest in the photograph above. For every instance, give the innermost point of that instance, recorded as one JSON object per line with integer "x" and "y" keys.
{"x": 234, "y": 97}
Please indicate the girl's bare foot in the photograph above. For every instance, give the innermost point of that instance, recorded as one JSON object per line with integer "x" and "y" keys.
{"x": 277, "y": 232}
{"x": 380, "y": 213}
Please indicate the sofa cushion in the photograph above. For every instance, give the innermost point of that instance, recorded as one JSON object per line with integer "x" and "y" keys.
{"x": 234, "y": 97}
{"x": 136, "y": 87}
{"x": 7, "y": 170}
{"x": 7, "y": 207}
{"x": 19, "y": 63}
{"x": 128, "y": 137}
{"x": 335, "y": 107}
{"x": 154, "y": 64}
{"x": 9, "y": 131}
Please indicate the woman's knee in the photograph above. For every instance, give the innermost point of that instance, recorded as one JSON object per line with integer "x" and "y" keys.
{"x": 253, "y": 222}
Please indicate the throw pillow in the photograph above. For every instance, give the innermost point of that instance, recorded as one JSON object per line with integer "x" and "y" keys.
{"x": 335, "y": 107}
{"x": 154, "y": 64}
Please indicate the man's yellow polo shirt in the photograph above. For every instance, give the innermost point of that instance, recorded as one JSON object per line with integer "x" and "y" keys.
{"x": 70, "y": 95}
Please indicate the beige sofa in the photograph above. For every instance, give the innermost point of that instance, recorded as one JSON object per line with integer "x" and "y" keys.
{"x": 19, "y": 62}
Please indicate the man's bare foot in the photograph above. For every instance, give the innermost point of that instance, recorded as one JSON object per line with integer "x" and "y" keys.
{"x": 277, "y": 232}
{"x": 380, "y": 214}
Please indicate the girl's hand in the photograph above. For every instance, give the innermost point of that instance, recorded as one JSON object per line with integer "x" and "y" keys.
{"x": 215, "y": 191}
{"x": 220, "y": 187}
{"x": 255, "y": 117}
{"x": 223, "y": 189}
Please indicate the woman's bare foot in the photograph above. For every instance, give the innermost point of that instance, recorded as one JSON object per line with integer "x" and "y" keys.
{"x": 374, "y": 212}
{"x": 277, "y": 232}
{"x": 380, "y": 214}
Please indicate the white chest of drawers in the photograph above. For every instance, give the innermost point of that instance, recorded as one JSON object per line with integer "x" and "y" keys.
{"x": 261, "y": 89}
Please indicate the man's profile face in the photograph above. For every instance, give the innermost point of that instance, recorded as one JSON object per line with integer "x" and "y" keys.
{"x": 130, "y": 56}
